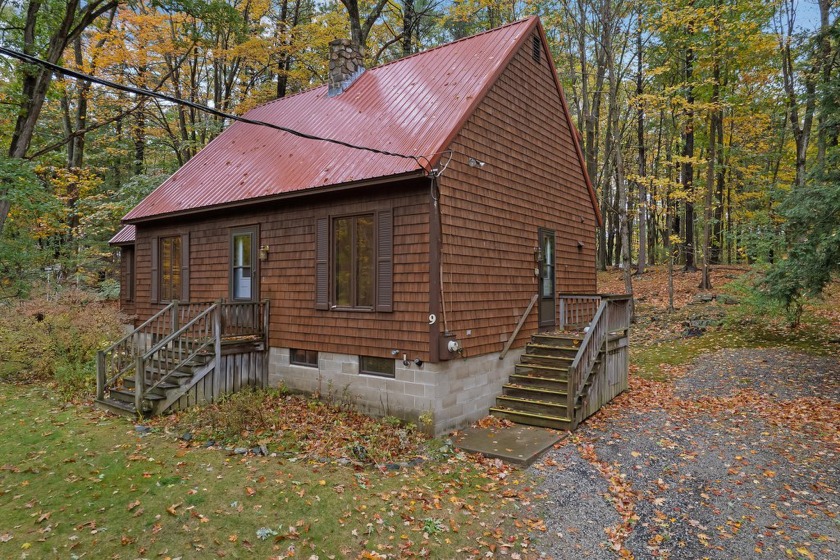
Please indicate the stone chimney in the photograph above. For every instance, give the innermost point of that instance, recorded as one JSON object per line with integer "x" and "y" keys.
{"x": 345, "y": 66}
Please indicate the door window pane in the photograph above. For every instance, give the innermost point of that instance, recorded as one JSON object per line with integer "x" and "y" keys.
{"x": 242, "y": 266}
{"x": 548, "y": 266}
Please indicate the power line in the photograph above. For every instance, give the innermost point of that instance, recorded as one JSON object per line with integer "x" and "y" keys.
{"x": 149, "y": 93}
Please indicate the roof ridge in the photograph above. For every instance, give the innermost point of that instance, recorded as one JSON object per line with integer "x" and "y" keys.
{"x": 395, "y": 61}
{"x": 456, "y": 41}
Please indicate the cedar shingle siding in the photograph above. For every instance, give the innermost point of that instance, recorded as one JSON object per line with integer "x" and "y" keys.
{"x": 490, "y": 216}
{"x": 288, "y": 275}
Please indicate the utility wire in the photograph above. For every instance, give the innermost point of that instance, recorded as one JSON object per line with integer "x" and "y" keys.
{"x": 142, "y": 91}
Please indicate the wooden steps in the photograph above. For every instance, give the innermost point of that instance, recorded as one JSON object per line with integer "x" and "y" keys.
{"x": 536, "y": 392}
{"x": 121, "y": 400}
{"x": 187, "y": 353}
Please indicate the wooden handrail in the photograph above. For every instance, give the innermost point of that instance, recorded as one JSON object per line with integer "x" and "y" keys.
{"x": 188, "y": 328}
{"x": 585, "y": 359}
{"x": 196, "y": 347}
{"x": 125, "y": 344}
{"x": 521, "y": 322}
{"x": 612, "y": 316}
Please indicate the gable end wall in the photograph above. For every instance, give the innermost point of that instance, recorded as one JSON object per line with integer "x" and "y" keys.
{"x": 490, "y": 216}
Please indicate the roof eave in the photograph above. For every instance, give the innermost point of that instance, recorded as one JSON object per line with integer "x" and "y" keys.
{"x": 279, "y": 197}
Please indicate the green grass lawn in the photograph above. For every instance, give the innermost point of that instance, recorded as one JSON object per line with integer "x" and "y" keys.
{"x": 77, "y": 483}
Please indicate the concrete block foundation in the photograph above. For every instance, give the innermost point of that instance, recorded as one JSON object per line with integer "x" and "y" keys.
{"x": 437, "y": 397}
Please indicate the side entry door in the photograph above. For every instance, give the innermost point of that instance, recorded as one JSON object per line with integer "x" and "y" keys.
{"x": 547, "y": 289}
{"x": 244, "y": 266}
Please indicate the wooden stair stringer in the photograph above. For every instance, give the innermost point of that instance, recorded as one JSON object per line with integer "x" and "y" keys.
{"x": 173, "y": 395}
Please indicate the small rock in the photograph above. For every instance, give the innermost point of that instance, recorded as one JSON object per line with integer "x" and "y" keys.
{"x": 187, "y": 437}
{"x": 142, "y": 429}
{"x": 691, "y": 332}
{"x": 209, "y": 443}
{"x": 392, "y": 466}
{"x": 257, "y": 451}
{"x": 415, "y": 461}
{"x": 360, "y": 452}
{"x": 263, "y": 449}
{"x": 240, "y": 450}
{"x": 344, "y": 461}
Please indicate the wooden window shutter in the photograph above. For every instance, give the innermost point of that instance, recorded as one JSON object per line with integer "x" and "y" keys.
{"x": 385, "y": 261}
{"x": 185, "y": 267}
{"x": 155, "y": 287}
{"x": 322, "y": 263}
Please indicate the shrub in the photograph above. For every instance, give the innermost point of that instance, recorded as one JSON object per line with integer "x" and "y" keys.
{"x": 56, "y": 339}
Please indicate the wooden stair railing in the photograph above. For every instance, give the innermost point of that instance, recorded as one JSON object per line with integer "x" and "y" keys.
{"x": 117, "y": 361}
{"x": 159, "y": 364}
{"x": 174, "y": 349}
{"x": 518, "y": 327}
{"x": 612, "y": 315}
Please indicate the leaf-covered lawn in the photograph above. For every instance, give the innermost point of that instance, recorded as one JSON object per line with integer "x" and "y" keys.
{"x": 77, "y": 483}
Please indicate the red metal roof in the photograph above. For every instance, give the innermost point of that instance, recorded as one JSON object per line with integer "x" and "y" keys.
{"x": 125, "y": 236}
{"x": 413, "y": 106}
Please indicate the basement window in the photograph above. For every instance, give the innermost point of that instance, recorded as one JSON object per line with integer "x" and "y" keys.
{"x": 383, "y": 367}
{"x": 307, "y": 358}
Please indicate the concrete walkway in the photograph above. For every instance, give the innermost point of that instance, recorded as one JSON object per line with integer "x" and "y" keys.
{"x": 520, "y": 445}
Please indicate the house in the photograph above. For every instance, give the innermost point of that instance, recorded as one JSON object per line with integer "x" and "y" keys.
{"x": 401, "y": 250}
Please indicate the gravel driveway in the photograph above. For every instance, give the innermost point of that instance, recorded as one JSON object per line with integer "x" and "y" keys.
{"x": 735, "y": 457}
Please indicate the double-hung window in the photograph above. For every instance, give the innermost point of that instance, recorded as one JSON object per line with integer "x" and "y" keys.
{"x": 353, "y": 261}
{"x": 353, "y": 268}
{"x": 170, "y": 268}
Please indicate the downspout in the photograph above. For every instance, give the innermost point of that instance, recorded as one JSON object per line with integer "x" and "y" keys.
{"x": 435, "y": 270}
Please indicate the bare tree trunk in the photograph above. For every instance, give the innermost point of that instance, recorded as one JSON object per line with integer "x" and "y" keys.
{"x": 409, "y": 26}
{"x": 688, "y": 166}
{"x": 825, "y": 64}
{"x": 4, "y": 211}
{"x": 359, "y": 30}
{"x": 705, "y": 280}
{"x": 801, "y": 130}
{"x": 138, "y": 133}
{"x": 640, "y": 140}
{"x": 715, "y": 125}
{"x": 615, "y": 152}
{"x": 717, "y": 225}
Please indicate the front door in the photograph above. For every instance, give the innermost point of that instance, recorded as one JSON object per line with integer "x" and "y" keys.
{"x": 244, "y": 279}
{"x": 546, "y": 257}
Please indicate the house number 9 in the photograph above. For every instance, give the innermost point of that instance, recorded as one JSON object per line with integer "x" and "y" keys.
{"x": 432, "y": 319}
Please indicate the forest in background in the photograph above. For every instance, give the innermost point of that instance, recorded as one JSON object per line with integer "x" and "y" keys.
{"x": 709, "y": 127}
